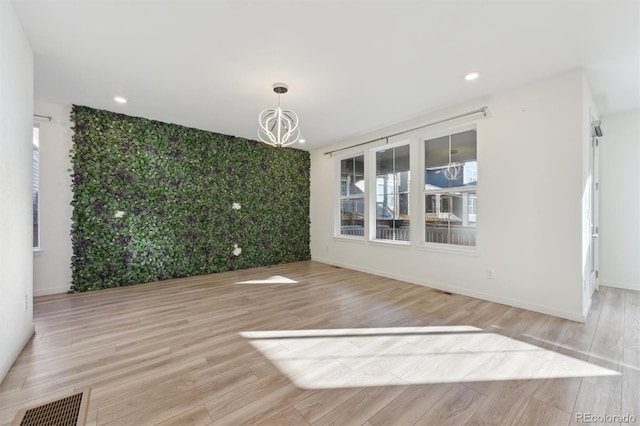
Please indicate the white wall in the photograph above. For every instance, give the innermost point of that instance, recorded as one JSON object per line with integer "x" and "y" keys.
{"x": 16, "y": 109}
{"x": 529, "y": 206}
{"x": 52, "y": 265}
{"x": 620, "y": 200}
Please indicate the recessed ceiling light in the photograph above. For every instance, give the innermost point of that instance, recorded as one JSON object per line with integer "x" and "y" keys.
{"x": 120, "y": 100}
{"x": 471, "y": 76}
{"x": 302, "y": 140}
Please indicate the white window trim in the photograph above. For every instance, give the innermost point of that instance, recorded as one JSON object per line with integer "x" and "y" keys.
{"x": 37, "y": 249}
{"x": 445, "y": 130}
{"x": 392, "y": 243}
{"x": 441, "y": 247}
{"x": 415, "y": 140}
{"x": 337, "y": 219}
{"x": 373, "y": 196}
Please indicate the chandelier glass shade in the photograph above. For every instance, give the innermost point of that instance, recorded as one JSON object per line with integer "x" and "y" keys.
{"x": 278, "y": 127}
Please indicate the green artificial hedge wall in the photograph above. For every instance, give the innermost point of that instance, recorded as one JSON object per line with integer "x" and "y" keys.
{"x": 155, "y": 201}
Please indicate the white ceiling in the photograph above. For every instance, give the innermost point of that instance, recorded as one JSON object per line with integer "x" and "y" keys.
{"x": 352, "y": 66}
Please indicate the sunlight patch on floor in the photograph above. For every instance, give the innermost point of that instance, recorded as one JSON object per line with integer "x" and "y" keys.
{"x": 341, "y": 358}
{"x": 276, "y": 279}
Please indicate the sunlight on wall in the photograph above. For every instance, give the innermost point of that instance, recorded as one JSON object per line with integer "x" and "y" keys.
{"x": 276, "y": 279}
{"x": 342, "y": 358}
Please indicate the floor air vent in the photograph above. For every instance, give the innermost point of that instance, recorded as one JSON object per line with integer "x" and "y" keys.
{"x": 68, "y": 411}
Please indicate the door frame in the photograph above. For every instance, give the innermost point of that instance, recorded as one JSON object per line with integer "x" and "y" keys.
{"x": 594, "y": 219}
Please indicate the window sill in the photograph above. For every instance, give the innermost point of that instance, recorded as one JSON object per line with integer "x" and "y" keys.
{"x": 392, "y": 243}
{"x": 37, "y": 251}
{"x": 451, "y": 249}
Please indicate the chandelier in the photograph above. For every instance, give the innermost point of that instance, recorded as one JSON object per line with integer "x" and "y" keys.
{"x": 453, "y": 169}
{"x": 278, "y": 127}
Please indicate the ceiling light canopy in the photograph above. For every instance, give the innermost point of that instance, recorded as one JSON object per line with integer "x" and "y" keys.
{"x": 120, "y": 100}
{"x": 278, "y": 127}
{"x": 471, "y": 76}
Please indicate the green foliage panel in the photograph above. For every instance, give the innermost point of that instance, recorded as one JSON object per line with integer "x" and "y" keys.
{"x": 154, "y": 201}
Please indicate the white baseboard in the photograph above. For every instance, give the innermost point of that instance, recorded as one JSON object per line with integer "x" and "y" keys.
{"x": 573, "y": 316}
{"x": 52, "y": 290}
{"x": 624, "y": 286}
{"x": 12, "y": 356}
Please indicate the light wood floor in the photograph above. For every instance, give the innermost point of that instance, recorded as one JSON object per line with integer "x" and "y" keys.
{"x": 336, "y": 347}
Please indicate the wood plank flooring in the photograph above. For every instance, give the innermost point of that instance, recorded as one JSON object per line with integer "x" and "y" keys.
{"x": 335, "y": 347}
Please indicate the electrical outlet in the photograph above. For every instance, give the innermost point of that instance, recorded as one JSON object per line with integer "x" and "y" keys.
{"x": 490, "y": 274}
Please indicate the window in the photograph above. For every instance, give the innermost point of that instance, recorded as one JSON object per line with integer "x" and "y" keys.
{"x": 36, "y": 187}
{"x": 451, "y": 182}
{"x": 352, "y": 196}
{"x": 393, "y": 181}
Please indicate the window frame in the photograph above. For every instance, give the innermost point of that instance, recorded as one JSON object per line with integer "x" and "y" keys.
{"x": 36, "y": 190}
{"x": 338, "y": 190}
{"x": 373, "y": 192}
{"x": 423, "y": 192}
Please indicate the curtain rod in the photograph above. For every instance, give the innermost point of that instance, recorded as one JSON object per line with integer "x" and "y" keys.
{"x": 48, "y": 117}
{"x": 482, "y": 110}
